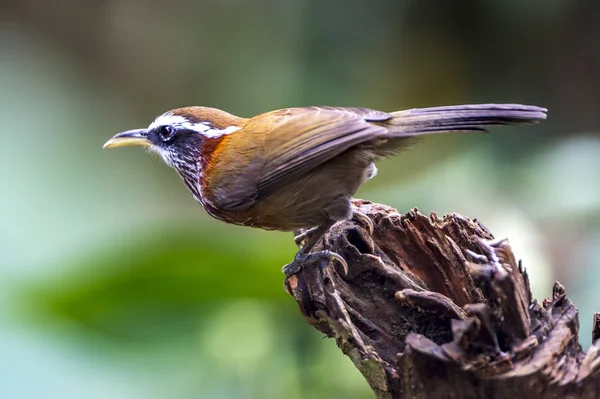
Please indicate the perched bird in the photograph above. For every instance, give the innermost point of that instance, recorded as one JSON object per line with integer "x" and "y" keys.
{"x": 297, "y": 168}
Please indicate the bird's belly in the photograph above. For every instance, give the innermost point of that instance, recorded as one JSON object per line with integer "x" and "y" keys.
{"x": 280, "y": 211}
{"x": 318, "y": 196}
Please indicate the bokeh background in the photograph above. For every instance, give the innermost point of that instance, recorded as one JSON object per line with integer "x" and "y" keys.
{"x": 114, "y": 282}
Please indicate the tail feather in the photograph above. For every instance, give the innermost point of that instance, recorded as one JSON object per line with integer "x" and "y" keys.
{"x": 461, "y": 118}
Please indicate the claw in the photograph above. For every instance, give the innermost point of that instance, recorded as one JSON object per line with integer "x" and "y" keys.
{"x": 335, "y": 256}
{"x": 357, "y": 215}
{"x": 298, "y": 262}
{"x": 300, "y": 238}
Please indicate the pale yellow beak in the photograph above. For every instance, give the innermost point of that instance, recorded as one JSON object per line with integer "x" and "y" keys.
{"x": 129, "y": 138}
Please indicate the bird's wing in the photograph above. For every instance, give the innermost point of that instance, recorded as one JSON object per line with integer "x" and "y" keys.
{"x": 298, "y": 140}
{"x": 307, "y": 137}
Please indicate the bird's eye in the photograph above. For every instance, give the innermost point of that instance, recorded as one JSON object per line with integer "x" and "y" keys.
{"x": 166, "y": 132}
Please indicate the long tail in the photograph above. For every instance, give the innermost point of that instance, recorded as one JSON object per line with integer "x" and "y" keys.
{"x": 461, "y": 118}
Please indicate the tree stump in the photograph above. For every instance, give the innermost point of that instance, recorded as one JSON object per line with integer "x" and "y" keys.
{"x": 439, "y": 308}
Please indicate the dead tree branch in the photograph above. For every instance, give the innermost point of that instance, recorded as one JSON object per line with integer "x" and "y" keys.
{"x": 438, "y": 308}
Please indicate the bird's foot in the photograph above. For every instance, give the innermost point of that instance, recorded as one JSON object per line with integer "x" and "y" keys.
{"x": 358, "y": 216}
{"x": 301, "y": 258}
{"x": 303, "y": 235}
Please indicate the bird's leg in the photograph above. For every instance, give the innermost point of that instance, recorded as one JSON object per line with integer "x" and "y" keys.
{"x": 314, "y": 235}
{"x": 361, "y": 217}
{"x": 300, "y": 236}
{"x": 304, "y": 255}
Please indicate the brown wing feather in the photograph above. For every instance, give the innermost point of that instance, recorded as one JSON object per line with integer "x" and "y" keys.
{"x": 297, "y": 140}
{"x": 302, "y": 142}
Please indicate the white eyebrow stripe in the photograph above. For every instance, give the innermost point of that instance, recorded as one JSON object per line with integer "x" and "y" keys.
{"x": 168, "y": 119}
{"x": 217, "y": 132}
{"x": 179, "y": 121}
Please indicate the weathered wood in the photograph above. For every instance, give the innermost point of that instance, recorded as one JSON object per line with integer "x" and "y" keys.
{"x": 437, "y": 308}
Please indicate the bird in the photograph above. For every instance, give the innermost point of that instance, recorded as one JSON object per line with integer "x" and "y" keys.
{"x": 297, "y": 169}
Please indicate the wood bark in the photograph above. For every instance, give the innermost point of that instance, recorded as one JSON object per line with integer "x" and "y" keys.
{"x": 438, "y": 308}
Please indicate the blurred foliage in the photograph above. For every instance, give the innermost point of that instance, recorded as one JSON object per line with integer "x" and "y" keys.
{"x": 157, "y": 281}
{"x": 116, "y": 284}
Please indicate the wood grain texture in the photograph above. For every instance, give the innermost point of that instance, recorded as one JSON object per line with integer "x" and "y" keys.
{"x": 437, "y": 308}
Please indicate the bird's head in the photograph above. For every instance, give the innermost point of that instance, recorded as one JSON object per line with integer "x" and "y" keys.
{"x": 177, "y": 135}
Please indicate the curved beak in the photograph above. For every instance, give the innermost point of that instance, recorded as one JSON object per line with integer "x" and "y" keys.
{"x": 129, "y": 138}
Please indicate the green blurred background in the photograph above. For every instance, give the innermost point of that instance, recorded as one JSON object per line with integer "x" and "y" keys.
{"x": 114, "y": 282}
